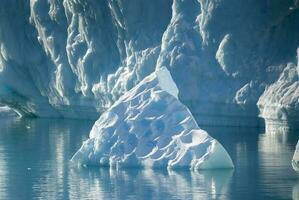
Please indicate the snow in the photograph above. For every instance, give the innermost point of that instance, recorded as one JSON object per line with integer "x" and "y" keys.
{"x": 149, "y": 127}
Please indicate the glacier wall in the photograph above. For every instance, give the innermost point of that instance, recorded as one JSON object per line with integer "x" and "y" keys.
{"x": 75, "y": 58}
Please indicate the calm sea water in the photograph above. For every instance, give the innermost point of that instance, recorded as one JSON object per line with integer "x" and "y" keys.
{"x": 35, "y": 154}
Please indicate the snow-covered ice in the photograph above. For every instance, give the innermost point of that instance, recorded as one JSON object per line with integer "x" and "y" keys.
{"x": 149, "y": 127}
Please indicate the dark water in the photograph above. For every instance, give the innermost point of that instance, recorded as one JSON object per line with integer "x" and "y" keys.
{"x": 34, "y": 164}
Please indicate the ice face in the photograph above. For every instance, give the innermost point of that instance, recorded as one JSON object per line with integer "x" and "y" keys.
{"x": 149, "y": 127}
{"x": 280, "y": 101}
{"x": 75, "y": 58}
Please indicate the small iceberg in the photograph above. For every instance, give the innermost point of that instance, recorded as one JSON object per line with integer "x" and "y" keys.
{"x": 295, "y": 160}
{"x": 149, "y": 127}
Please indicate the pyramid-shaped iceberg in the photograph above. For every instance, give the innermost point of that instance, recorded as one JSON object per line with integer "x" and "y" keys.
{"x": 149, "y": 127}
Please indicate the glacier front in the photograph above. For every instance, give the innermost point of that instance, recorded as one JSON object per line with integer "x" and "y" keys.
{"x": 75, "y": 58}
{"x": 149, "y": 127}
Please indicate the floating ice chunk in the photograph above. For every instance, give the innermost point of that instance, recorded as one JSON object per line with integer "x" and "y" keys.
{"x": 149, "y": 127}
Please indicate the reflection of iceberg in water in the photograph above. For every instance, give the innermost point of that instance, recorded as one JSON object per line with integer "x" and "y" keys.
{"x": 34, "y": 153}
{"x": 3, "y": 175}
{"x": 278, "y": 133}
{"x": 295, "y": 193}
{"x": 276, "y": 148}
{"x": 59, "y": 137}
{"x": 277, "y": 127}
{"x": 105, "y": 183}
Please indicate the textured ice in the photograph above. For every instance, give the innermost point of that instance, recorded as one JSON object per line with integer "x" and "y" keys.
{"x": 75, "y": 58}
{"x": 149, "y": 127}
{"x": 280, "y": 101}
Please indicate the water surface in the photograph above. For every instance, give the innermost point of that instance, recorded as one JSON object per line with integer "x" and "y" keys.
{"x": 35, "y": 154}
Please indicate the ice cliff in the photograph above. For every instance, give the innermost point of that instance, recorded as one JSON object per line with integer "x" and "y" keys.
{"x": 149, "y": 127}
{"x": 281, "y": 99}
{"x": 75, "y": 58}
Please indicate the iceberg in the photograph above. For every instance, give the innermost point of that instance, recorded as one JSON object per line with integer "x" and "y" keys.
{"x": 149, "y": 127}
{"x": 280, "y": 100}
